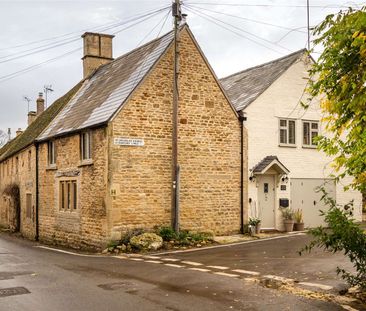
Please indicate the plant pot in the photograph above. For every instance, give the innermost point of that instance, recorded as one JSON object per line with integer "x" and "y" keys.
{"x": 299, "y": 226}
{"x": 289, "y": 225}
{"x": 252, "y": 230}
{"x": 258, "y": 228}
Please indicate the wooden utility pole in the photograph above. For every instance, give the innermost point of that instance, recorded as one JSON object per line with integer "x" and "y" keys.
{"x": 177, "y": 14}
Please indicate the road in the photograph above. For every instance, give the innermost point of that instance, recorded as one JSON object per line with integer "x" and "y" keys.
{"x": 277, "y": 256}
{"x": 43, "y": 279}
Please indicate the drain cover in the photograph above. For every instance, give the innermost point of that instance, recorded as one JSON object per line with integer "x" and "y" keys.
{"x": 12, "y": 291}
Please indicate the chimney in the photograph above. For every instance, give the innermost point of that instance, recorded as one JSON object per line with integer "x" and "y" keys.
{"x": 32, "y": 115}
{"x": 97, "y": 51}
{"x": 40, "y": 103}
{"x": 18, "y": 132}
{"x": 9, "y": 133}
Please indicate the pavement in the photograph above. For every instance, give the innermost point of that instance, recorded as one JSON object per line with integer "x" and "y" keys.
{"x": 36, "y": 277}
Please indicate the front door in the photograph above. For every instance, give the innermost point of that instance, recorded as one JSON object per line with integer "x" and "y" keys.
{"x": 266, "y": 200}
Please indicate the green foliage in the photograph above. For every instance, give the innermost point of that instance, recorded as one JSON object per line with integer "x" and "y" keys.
{"x": 298, "y": 216}
{"x": 254, "y": 221}
{"x": 287, "y": 213}
{"x": 167, "y": 233}
{"x": 130, "y": 234}
{"x": 342, "y": 235}
{"x": 184, "y": 237}
{"x": 339, "y": 78}
{"x": 146, "y": 241}
{"x": 112, "y": 244}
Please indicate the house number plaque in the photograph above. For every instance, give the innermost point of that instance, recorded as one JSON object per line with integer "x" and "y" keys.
{"x": 129, "y": 142}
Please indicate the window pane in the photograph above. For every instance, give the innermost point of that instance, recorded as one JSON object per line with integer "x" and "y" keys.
{"x": 306, "y": 133}
{"x": 314, "y": 126}
{"x": 283, "y": 136}
{"x": 313, "y": 135}
{"x": 283, "y": 123}
{"x": 74, "y": 195}
{"x": 291, "y": 132}
{"x": 62, "y": 190}
{"x": 68, "y": 195}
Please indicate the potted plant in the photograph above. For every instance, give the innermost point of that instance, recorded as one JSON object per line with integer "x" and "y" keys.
{"x": 254, "y": 225}
{"x": 299, "y": 221}
{"x": 288, "y": 219}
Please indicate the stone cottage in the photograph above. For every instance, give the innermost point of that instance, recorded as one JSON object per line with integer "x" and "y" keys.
{"x": 102, "y": 164}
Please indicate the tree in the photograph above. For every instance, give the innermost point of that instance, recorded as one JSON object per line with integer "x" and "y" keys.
{"x": 339, "y": 78}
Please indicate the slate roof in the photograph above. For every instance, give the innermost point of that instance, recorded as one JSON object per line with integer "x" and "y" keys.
{"x": 245, "y": 86}
{"x": 259, "y": 167}
{"x": 34, "y": 129}
{"x": 105, "y": 91}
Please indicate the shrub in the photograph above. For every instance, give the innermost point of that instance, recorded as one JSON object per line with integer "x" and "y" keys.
{"x": 298, "y": 216}
{"x": 147, "y": 241}
{"x": 287, "y": 213}
{"x": 125, "y": 239}
{"x": 254, "y": 221}
{"x": 342, "y": 235}
{"x": 167, "y": 233}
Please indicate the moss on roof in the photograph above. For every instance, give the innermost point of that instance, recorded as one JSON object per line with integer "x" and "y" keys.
{"x": 28, "y": 137}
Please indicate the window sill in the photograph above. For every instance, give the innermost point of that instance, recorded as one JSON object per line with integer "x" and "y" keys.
{"x": 286, "y": 145}
{"x": 86, "y": 163}
{"x": 309, "y": 147}
{"x": 69, "y": 212}
{"x": 51, "y": 167}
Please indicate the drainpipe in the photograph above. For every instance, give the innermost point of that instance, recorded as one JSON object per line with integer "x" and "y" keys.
{"x": 242, "y": 118}
{"x": 37, "y": 193}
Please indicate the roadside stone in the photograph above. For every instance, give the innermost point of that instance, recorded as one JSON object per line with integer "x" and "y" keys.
{"x": 105, "y": 251}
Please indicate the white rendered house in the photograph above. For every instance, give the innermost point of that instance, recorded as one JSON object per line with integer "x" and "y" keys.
{"x": 285, "y": 168}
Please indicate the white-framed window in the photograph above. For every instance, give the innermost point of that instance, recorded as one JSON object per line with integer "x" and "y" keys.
{"x": 51, "y": 153}
{"x": 310, "y": 130}
{"x": 287, "y": 130}
{"x": 85, "y": 146}
{"x": 68, "y": 195}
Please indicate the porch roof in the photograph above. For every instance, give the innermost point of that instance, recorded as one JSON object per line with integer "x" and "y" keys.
{"x": 270, "y": 162}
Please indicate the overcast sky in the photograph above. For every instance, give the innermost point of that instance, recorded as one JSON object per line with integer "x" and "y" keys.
{"x": 250, "y": 42}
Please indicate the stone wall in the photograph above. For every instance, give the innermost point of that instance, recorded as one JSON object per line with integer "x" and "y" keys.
{"x": 209, "y": 151}
{"x": 85, "y": 226}
{"x": 19, "y": 170}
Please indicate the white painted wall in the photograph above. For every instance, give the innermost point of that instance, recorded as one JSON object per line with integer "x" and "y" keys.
{"x": 282, "y": 100}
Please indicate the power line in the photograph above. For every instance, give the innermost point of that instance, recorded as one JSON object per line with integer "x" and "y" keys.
{"x": 68, "y": 41}
{"x": 273, "y": 5}
{"x": 100, "y": 27}
{"x": 215, "y": 20}
{"x": 156, "y": 26}
{"x": 250, "y": 20}
{"x": 148, "y": 16}
{"x": 25, "y": 70}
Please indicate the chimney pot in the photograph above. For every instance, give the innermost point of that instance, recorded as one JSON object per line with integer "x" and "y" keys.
{"x": 97, "y": 51}
{"x": 40, "y": 103}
